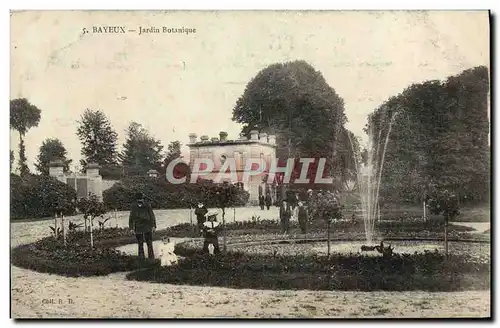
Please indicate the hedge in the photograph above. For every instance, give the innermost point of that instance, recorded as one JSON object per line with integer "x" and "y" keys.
{"x": 38, "y": 196}
{"x": 164, "y": 195}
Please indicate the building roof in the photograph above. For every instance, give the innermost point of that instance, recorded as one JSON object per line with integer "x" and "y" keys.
{"x": 228, "y": 142}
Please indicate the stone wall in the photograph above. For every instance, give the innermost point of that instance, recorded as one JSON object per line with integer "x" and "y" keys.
{"x": 88, "y": 183}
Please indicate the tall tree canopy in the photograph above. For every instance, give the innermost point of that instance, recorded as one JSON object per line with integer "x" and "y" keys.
{"x": 11, "y": 159}
{"x": 98, "y": 139}
{"x": 50, "y": 150}
{"x": 141, "y": 151}
{"x": 439, "y": 137}
{"x": 293, "y": 101}
{"x": 23, "y": 116}
{"x": 174, "y": 152}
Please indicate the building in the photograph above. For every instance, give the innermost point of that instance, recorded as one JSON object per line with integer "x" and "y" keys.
{"x": 85, "y": 184}
{"x": 219, "y": 149}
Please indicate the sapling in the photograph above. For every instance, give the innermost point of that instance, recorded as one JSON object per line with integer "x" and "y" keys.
{"x": 446, "y": 203}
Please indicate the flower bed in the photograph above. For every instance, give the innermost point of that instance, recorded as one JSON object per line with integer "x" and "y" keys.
{"x": 423, "y": 271}
{"x": 77, "y": 258}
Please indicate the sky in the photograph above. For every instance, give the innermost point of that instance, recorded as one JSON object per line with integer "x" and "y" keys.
{"x": 175, "y": 84}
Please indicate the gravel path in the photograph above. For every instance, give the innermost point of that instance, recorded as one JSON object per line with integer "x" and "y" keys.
{"x": 38, "y": 295}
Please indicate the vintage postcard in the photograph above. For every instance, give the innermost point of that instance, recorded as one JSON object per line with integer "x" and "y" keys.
{"x": 250, "y": 164}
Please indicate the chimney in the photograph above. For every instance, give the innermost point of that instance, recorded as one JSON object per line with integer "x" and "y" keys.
{"x": 204, "y": 138}
{"x": 271, "y": 139}
{"x": 192, "y": 138}
{"x": 223, "y": 136}
{"x": 56, "y": 168}
{"x": 263, "y": 137}
{"x": 92, "y": 169}
{"x": 215, "y": 139}
{"x": 254, "y": 135}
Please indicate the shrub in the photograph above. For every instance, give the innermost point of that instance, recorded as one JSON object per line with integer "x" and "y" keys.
{"x": 165, "y": 195}
{"x": 111, "y": 172}
{"x": 37, "y": 196}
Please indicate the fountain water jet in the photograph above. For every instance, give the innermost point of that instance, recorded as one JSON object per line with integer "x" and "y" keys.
{"x": 369, "y": 176}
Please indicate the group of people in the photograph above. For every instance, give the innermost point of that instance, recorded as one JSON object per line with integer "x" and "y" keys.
{"x": 266, "y": 201}
{"x": 293, "y": 211}
{"x": 142, "y": 222}
{"x": 208, "y": 227}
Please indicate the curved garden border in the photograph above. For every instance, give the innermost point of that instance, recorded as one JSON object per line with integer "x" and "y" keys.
{"x": 98, "y": 262}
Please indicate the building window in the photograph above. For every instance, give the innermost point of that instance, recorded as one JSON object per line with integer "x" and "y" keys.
{"x": 223, "y": 159}
{"x": 242, "y": 161}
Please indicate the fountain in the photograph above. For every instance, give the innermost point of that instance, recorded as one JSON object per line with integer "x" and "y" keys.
{"x": 369, "y": 176}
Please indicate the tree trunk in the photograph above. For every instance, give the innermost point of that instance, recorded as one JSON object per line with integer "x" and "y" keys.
{"x": 446, "y": 237}
{"x": 328, "y": 238}
{"x": 91, "y": 233}
{"x": 63, "y": 229}
{"x": 224, "y": 229}
{"x": 234, "y": 214}
{"x": 425, "y": 214}
{"x": 55, "y": 225}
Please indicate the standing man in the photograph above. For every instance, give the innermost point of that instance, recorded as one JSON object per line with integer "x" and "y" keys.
{"x": 269, "y": 201}
{"x": 142, "y": 222}
{"x": 285, "y": 214}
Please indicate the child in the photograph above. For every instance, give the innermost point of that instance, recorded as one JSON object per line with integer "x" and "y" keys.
{"x": 167, "y": 256}
{"x": 211, "y": 232}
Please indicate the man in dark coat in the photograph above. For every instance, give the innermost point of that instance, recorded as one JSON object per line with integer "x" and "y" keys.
{"x": 285, "y": 215}
{"x": 261, "y": 201}
{"x": 200, "y": 213}
{"x": 269, "y": 201}
{"x": 142, "y": 222}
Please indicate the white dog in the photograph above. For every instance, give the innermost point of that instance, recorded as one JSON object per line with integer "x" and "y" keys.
{"x": 167, "y": 256}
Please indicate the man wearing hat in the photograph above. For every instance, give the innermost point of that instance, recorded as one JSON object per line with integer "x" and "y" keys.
{"x": 142, "y": 222}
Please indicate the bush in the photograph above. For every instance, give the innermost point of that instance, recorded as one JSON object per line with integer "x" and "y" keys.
{"x": 164, "y": 195}
{"x": 111, "y": 172}
{"x": 423, "y": 271}
{"x": 38, "y": 196}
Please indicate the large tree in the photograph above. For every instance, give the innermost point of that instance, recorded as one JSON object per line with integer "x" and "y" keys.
{"x": 439, "y": 137}
{"x": 98, "y": 138}
{"x": 293, "y": 101}
{"x": 174, "y": 152}
{"x": 141, "y": 151}
{"x": 50, "y": 150}
{"x": 23, "y": 116}
{"x": 11, "y": 159}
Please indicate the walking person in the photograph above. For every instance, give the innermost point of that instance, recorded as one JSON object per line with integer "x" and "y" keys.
{"x": 269, "y": 201}
{"x": 200, "y": 213}
{"x": 285, "y": 214}
{"x": 142, "y": 222}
